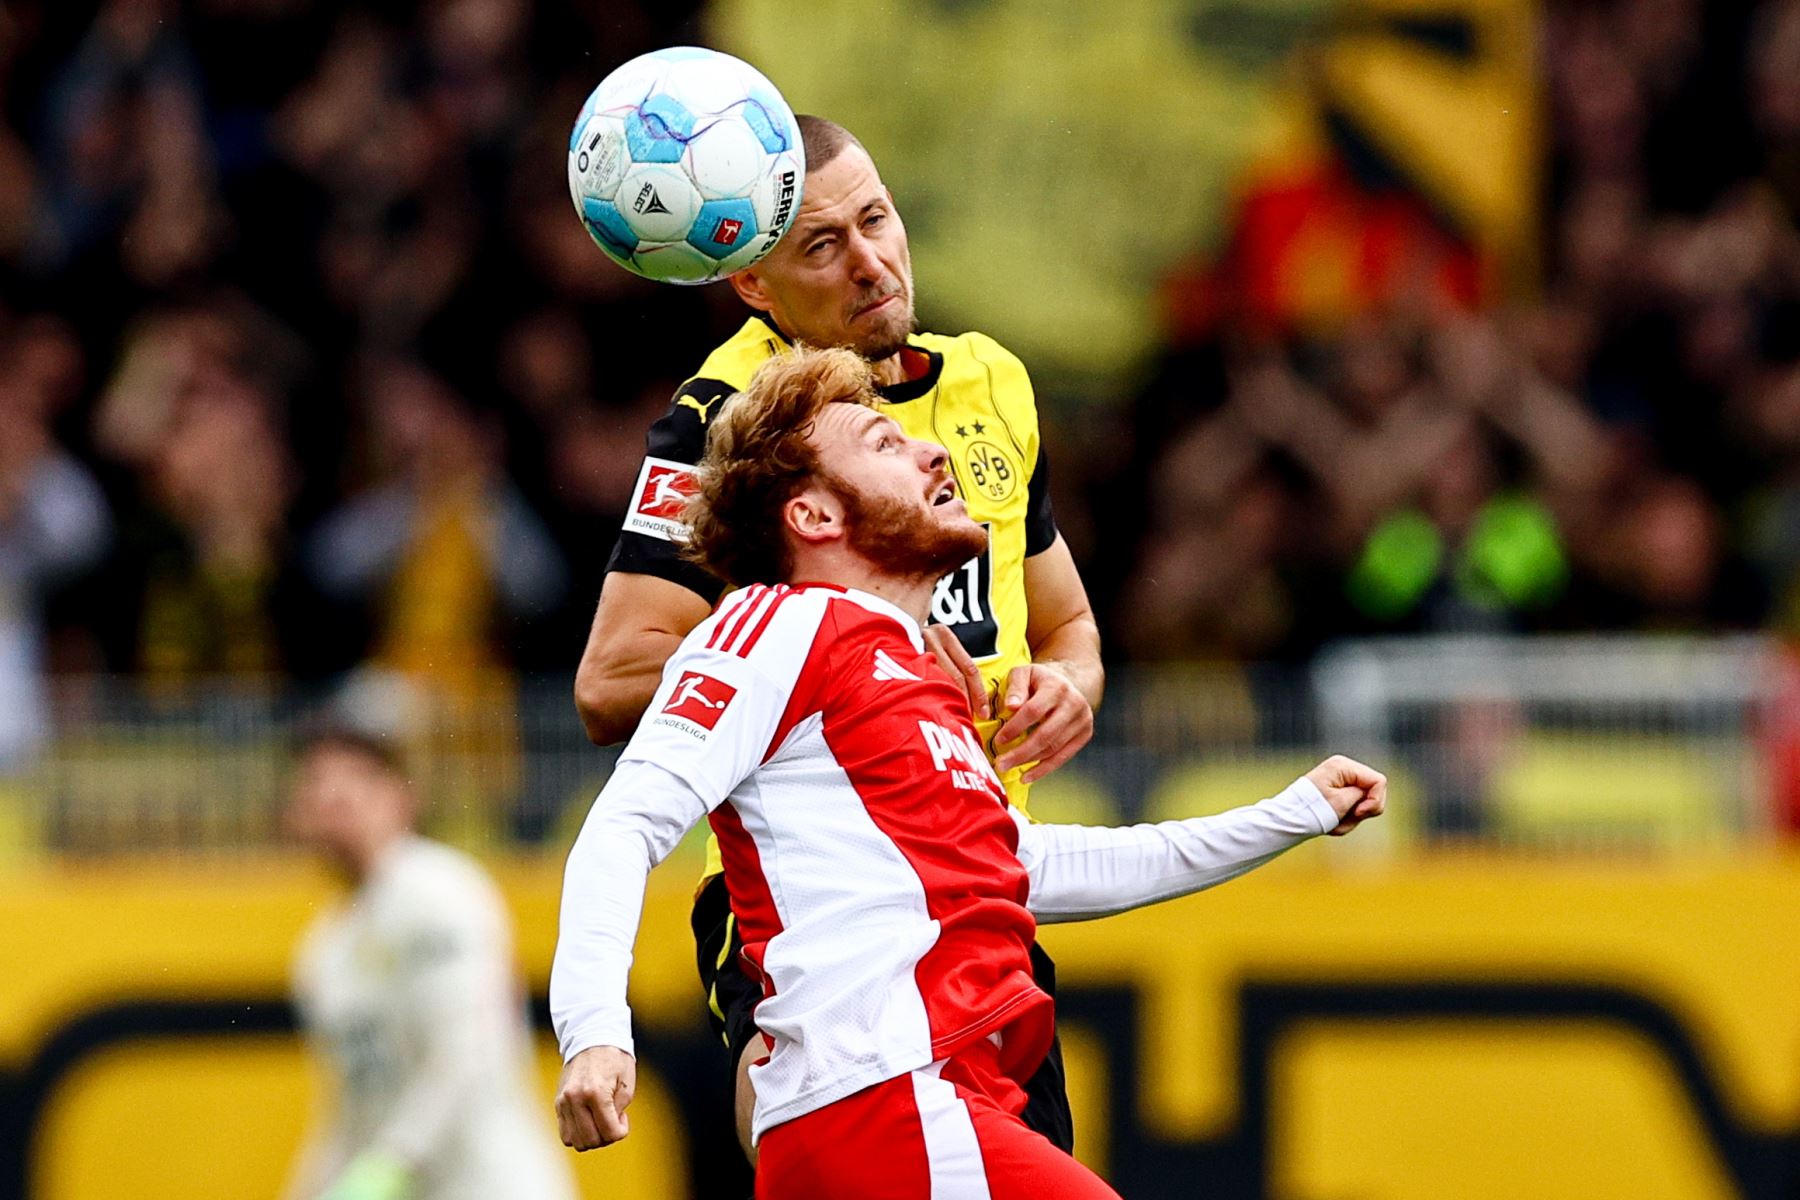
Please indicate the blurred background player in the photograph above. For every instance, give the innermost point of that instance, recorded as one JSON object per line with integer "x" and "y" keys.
{"x": 409, "y": 992}
{"x": 1024, "y": 641}
{"x": 885, "y": 889}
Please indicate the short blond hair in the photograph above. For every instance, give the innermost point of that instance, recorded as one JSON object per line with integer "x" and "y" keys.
{"x": 758, "y": 457}
{"x": 823, "y": 140}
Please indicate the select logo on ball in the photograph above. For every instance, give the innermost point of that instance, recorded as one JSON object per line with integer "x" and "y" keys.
{"x": 727, "y": 231}
{"x": 648, "y": 201}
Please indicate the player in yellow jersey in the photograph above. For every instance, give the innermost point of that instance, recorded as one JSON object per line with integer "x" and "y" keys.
{"x": 1014, "y": 623}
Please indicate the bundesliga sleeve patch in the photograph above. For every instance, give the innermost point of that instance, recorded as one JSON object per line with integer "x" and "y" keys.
{"x": 663, "y": 487}
{"x": 698, "y": 700}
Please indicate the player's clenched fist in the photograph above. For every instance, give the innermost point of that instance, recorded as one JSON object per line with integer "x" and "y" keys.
{"x": 597, "y": 1085}
{"x": 1355, "y": 792}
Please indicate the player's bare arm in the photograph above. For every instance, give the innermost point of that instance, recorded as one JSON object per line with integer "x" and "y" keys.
{"x": 1049, "y": 704}
{"x": 596, "y": 1088}
{"x": 640, "y": 621}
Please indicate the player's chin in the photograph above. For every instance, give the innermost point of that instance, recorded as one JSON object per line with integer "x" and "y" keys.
{"x": 962, "y": 529}
{"x": 888, "y": 340}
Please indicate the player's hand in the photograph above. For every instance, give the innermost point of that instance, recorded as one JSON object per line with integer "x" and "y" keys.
{"x": 1047, "y": 721}
{"x": 596, "y": 1086}
{"x": 1355, "y": 792}
{"x": 371, "y": 1175}
{"x": 953, "y": 657}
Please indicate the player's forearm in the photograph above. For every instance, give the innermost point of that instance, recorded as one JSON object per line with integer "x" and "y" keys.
{"x": 602, "y": 903}
{"x": 1073, "y": 650}
{"x": 618, "y": 675}
{"x": 1078, "y": 872}
{"x": 639, "y": 817}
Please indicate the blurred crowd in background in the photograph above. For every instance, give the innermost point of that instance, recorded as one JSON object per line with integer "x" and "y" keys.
{"x": 1617, "y": 448}
{"x": 306, "y": 363}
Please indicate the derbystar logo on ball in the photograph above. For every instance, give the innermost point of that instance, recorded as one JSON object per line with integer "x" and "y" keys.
{"x": 699, "y": 699}
{"x": 663, "y": 488}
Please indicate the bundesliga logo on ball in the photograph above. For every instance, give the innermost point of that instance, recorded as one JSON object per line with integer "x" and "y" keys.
{"x": 686, "y": 165}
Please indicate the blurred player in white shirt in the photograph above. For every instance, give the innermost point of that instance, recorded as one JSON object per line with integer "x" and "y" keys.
{"x": 408, "y": 991}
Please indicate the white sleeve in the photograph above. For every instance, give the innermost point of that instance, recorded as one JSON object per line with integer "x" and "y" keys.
{"x": 695, "y": 744}
{"x": 640, "y": 815}
{"x": 1080, "y": 871}
{"x": 711, "y": 719}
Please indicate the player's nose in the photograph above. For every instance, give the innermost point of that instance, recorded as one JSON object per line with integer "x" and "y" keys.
{"x": 865, "y": 264}
{"x": 932, "y": 457}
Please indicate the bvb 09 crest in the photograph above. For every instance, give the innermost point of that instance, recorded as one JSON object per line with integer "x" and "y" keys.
{"x": 990, "y": 471}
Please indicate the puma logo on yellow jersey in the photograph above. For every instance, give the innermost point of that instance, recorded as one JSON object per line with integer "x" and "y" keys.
{"x": 703, "y": 407}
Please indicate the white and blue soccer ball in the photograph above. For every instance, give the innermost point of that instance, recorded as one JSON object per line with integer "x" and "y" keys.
{"x": 686, "y": 165}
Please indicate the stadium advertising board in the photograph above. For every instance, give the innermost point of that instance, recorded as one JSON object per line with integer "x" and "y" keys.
{"x": 1461, "y": 1029}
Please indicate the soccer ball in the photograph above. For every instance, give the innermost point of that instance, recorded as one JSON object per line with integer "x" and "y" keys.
{"x": 686, "y": 165}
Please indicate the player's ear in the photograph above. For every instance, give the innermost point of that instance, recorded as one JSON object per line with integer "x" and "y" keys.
{"x": 815, "y": 516}
{"x": 750, "y": 289}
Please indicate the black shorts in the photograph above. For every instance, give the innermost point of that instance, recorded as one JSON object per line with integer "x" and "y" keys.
{"x": 731, "y": 998}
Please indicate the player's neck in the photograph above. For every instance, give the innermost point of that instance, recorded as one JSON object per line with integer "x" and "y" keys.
{"x": 362, "y": 857}
{"x": 901, "y": 367}
{"x": 847, "y": 569}
{"x": 910, "y": 596}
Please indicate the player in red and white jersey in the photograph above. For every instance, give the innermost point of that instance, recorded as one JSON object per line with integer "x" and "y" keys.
{"x": 886, "y": 892}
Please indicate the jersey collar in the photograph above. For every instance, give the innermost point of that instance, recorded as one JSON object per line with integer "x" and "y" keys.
{"x": 873, "y": 603}
{"x": 894, "y": 393}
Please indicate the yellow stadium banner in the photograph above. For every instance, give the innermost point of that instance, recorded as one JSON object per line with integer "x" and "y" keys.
{"x": 1461, "y": 1028}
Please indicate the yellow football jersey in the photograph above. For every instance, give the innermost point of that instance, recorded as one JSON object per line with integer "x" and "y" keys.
{"x": 975, "y": 400}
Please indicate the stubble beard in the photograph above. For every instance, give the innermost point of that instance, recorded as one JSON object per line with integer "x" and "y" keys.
{"x": 885, "y": 343}
{"x": 904, "y": 540}
{"x": 890, "y": 339}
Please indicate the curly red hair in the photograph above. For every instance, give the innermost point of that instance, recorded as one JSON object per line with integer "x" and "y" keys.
{"x": 758, "y": 457}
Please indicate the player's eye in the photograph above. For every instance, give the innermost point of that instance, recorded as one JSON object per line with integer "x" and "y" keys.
{"x": 813, "y": 250}
{"x": 874, "y": 220}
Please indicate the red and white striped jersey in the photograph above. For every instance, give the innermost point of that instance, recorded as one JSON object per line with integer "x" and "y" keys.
{"x": 872, "y": 862}
{"x": 883, "y": 887}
